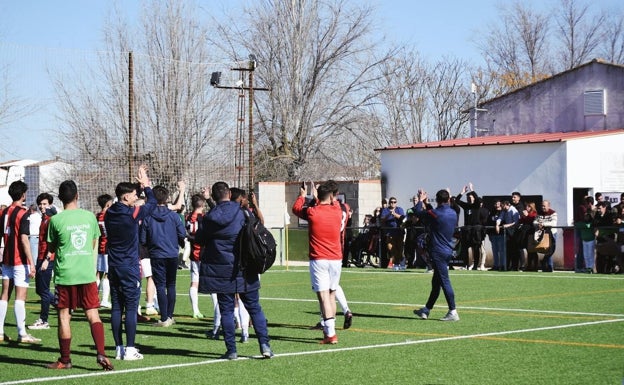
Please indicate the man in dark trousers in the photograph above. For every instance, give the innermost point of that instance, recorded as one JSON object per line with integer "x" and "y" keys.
{"x": 220, "y": 271}
{"x": 441, "y": 223}
{"x": 124, "y": 271}
{"x": 163, "y": 233}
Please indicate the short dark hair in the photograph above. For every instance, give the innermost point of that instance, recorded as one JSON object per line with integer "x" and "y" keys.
{"x": 443, "y": 196}
{"x": 197, "y": 201}
{"x": 332, "y": 186}
{"x": 45, "y": 196}
{"x": 516, "y": 193}
{"x": 17, "y": 189}
{"x": 237, "y": 193}
{"x": 103, "y": 199}
{"x": 324, "y": 191}
{"x": 161, "y": 194}
{"x": 124, "y": 188}
{"x": 68, "y": 191}
{"x": 220, "y": 191}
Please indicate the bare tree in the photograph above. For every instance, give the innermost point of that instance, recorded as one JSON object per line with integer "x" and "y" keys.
{"x": 318, "y": 60}
{"x": 401, "y": 104}
{"x": 516, "y": 45}
{"x": 449, "y": 96}
{"x": 579, "y": 31}
{"x": 612, "y": 46}
{"x": 177, "y": 122}
{"x": 12, "y": 106}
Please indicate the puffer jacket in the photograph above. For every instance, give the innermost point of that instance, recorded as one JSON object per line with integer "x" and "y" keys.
{"x": 219, "y": 271}
{"x": 162, "y": 233}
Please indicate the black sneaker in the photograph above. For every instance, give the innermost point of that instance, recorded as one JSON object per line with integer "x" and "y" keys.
{"x": 348, "y": 320}
{"x": 318, "y": 326}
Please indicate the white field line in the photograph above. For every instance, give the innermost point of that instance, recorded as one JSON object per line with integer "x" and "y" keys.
{"x": 324, "y": 351}
{"x": 459, "y": 307}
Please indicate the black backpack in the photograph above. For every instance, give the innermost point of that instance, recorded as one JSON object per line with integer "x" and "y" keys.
{"x": 256, "y": 245}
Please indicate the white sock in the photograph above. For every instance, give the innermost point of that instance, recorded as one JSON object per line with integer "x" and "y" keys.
{"x": 194, "y": 299}
{"x": 20, "y": 316}
{"x": 105, "y": 290}
{"x": 237, "y": 316}
{"x": 330, "y": 327}
{"x": 217, "y": 313}
{"x": 342, "y": 300}
{"x": 3, "y": 310}
{"x": 244, "y": 317}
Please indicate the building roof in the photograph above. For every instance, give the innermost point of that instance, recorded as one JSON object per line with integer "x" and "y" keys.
{"x": 21, "y": 162}
{"x": 550, "y": 137}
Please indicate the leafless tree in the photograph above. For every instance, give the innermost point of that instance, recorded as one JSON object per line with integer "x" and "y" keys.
{"x": 13, "y": 106}
{"x": 449, "y": 96}
{"x": 318, "y": 59}
{"x": 612, "y": 46}
{"x": 176, "y": 126}
{"x": 516, "y": 45}
{"x": 579, "y": 32}
{"x": 401, "y": 104}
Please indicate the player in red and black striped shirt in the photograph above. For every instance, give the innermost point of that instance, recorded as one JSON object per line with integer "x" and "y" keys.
{"x": 18, "y": 265}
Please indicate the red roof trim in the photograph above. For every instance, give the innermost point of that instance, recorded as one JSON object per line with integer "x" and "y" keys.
{"x": 550, "y": 137}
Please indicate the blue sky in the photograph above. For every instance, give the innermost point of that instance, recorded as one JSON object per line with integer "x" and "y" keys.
{"x": 435, "y": 28}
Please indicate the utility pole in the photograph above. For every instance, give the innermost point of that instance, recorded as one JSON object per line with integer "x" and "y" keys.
{"x": 130, "y": 115}
{"x": 474, "y": 131}
{"x": 215, "y": 82}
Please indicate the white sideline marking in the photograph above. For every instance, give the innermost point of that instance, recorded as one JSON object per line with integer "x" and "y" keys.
{"x": 458, "y": 307}
{"x": 335, "y": 350}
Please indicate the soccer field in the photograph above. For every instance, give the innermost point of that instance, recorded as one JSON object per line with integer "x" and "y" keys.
{"x": 515, "y": 328}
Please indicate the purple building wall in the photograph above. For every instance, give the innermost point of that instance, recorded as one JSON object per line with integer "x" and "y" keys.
{"x": 559, "y": 103}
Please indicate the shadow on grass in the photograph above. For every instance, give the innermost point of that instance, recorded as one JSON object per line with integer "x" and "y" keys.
{"x": 364, "y": 315}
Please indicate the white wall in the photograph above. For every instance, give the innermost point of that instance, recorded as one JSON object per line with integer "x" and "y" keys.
{"x": 597, "y": 163}
{"x": 493, "y": 170}
{"x": 535, "y": 169}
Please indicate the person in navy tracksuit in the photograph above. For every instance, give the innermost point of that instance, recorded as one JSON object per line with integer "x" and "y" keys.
{"x": 441, "y": 223}
{"x": 124, "y": 272}
{"x": 220, "y": 272}
{"x": 163, "y": 233}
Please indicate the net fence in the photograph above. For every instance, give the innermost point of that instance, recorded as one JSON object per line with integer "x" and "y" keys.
{"x": 95, "y": 116}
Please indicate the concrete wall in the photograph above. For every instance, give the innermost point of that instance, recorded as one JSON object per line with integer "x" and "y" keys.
{"x": 557, "y": 104}
{"x": 277, "y": 198}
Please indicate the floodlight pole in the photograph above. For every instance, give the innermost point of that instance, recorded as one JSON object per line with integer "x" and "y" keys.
{"x": 250, "y": 87}
{"x": 130, "y": 115}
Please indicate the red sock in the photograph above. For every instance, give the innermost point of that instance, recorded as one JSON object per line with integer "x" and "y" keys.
{"x": 97, "y": 332}
{"x": 65, "y": 345}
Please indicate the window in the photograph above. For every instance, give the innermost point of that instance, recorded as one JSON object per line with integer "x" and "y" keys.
{"x": 595, "y": 103}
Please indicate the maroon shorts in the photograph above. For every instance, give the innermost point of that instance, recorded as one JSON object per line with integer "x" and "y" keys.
{"x": 72, "y": 296}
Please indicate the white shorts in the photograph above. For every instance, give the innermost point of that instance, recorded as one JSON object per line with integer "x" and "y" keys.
{"x": 102, "y": 263}
{"x": 146, "y": 268}
{"x": 19, "y": 274}
{"x": 325, "y": 274}
{"x": 195, "y": 271}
